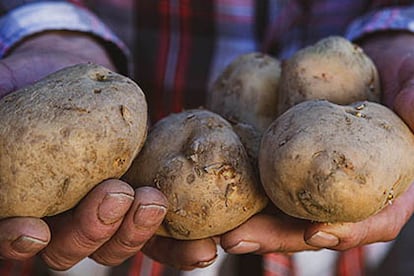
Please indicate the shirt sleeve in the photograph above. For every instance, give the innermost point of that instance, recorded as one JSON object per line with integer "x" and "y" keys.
{"x": 40, "y": 16}
{"x": 388, "y": 19}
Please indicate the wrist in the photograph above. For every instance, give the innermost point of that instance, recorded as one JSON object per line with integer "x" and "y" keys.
{"x": 387, "y": 44}
{"x": 392, "y": 53}
{"x": 81, "y": 46}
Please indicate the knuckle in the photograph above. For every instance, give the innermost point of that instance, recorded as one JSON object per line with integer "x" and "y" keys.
{"x": 57, "y": 262}
{"x": 106, "y": 260}
{"x": 129, "y": 244}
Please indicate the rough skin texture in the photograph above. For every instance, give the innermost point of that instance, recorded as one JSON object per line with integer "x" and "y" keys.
{"x": 246, "y": 91}
{"x": 333, "y": 69}
{"x": 330, "y": 163}
{"x": 199, "y": 163}
{"x": 65, "y": 134}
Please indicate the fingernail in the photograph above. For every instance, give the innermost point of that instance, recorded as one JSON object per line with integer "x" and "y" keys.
{"x": 26, "y": 244}
{"x": 113, "y": 207}
{"x": 203, "y": 264}
{"x": 323, "y": 239}
{"x": 148, "y": 215}
{"x": 243, "y": 247}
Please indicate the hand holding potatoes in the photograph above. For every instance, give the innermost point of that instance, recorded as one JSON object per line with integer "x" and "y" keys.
{"x": 81, "y": 232}
{"x": 392, "y": 55}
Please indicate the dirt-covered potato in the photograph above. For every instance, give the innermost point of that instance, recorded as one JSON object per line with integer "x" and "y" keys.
{"x": 332, "y": 163}
{"x": 245, "y": 94}
{"x": 199, "y": 163}
{"x": 246, "y": 91}
{"x": 65, "y": 134}
{"x": 333, "y": 69}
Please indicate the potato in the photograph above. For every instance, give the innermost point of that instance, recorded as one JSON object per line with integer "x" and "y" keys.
{"x": 332, "y": 163}
{"x": 65, "y": 134}
{"x": 333, "y": 69}
{"x": 245, "y": 94}
{"x": 199, "y": 163}
{"x": 246, "y": 91}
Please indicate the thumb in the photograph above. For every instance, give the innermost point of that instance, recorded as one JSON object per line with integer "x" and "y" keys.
{"x": 382, "y": 227}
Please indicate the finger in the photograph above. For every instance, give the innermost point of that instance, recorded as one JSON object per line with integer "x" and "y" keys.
{"x": 264, "y": 233}
{"x": 78, "y": 233}
{"x": 22, "y": 238}
{"x": 184, "y": 255}
{"x": 139, "y": 225}
{"x": 382, "y": 227}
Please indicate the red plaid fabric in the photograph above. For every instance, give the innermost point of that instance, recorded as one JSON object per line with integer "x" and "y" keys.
{"x": 182, "y": 45}
{"x": 349, "y": 263}
{"x": 144, "y": 266}
{"x": 276, "y": 264}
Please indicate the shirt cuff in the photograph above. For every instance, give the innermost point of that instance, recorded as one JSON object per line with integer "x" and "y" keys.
{"x": 390, "y": 19}
{"x": 34, "y": 18}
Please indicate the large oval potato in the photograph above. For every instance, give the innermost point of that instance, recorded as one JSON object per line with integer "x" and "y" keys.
{"x": 199, "y": 163}
{"x": 332, "y": 69}
{"x": 331, "y": 163}
{"x": 65, "y": 134}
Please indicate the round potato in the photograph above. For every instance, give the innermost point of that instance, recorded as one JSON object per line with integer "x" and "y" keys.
{"x": 245, "y": 94}
{"x": 65, "y": 134}
{"x": 331, "y": 163}
{"x": 333, "y": 69}
{"x": 246, "y": 91}
{"x": 199, "y": 163}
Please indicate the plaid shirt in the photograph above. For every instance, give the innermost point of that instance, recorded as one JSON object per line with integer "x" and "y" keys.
{"x": 180, "y": 46}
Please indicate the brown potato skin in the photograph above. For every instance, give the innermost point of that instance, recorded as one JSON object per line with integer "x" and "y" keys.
{"x": 331, "y": 163}
{"x": 332, "y": 69}
{"x": 199, "y": 163}
{"x": 245, "y": 94}
{"x": 246, "y": 91}
{"x": 65, "y": 134}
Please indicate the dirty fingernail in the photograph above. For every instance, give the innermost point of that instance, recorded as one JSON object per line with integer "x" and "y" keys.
{"x": 148, "y": 215}
{"x": 323, "y": 239}
{"x": 243, "y": 247}
{"x": 26, "y": 244}
{"x": 114, "y": 206}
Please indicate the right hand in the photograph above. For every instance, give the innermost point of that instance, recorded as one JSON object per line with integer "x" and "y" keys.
{"x": 113, "y": 221}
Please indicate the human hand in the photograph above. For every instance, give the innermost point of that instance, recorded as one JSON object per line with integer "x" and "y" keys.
{"x": 393, "y": 55}
{"x": 273, "y": 231}
{"x": 113, "y": 221}
{"x": 109, "y": 225}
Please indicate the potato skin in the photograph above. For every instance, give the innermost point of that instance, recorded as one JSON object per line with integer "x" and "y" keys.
{"x": 199, "y": 163}
{"x": 246, "y": 91}
{"x": 65, "y": 134}
{"x": 332, "y": 69}
{"x": 245, "y": 94}
{"x": 331, "y": 163}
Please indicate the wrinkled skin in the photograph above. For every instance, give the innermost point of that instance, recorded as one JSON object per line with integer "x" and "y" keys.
{"x": 266, "y": 232}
